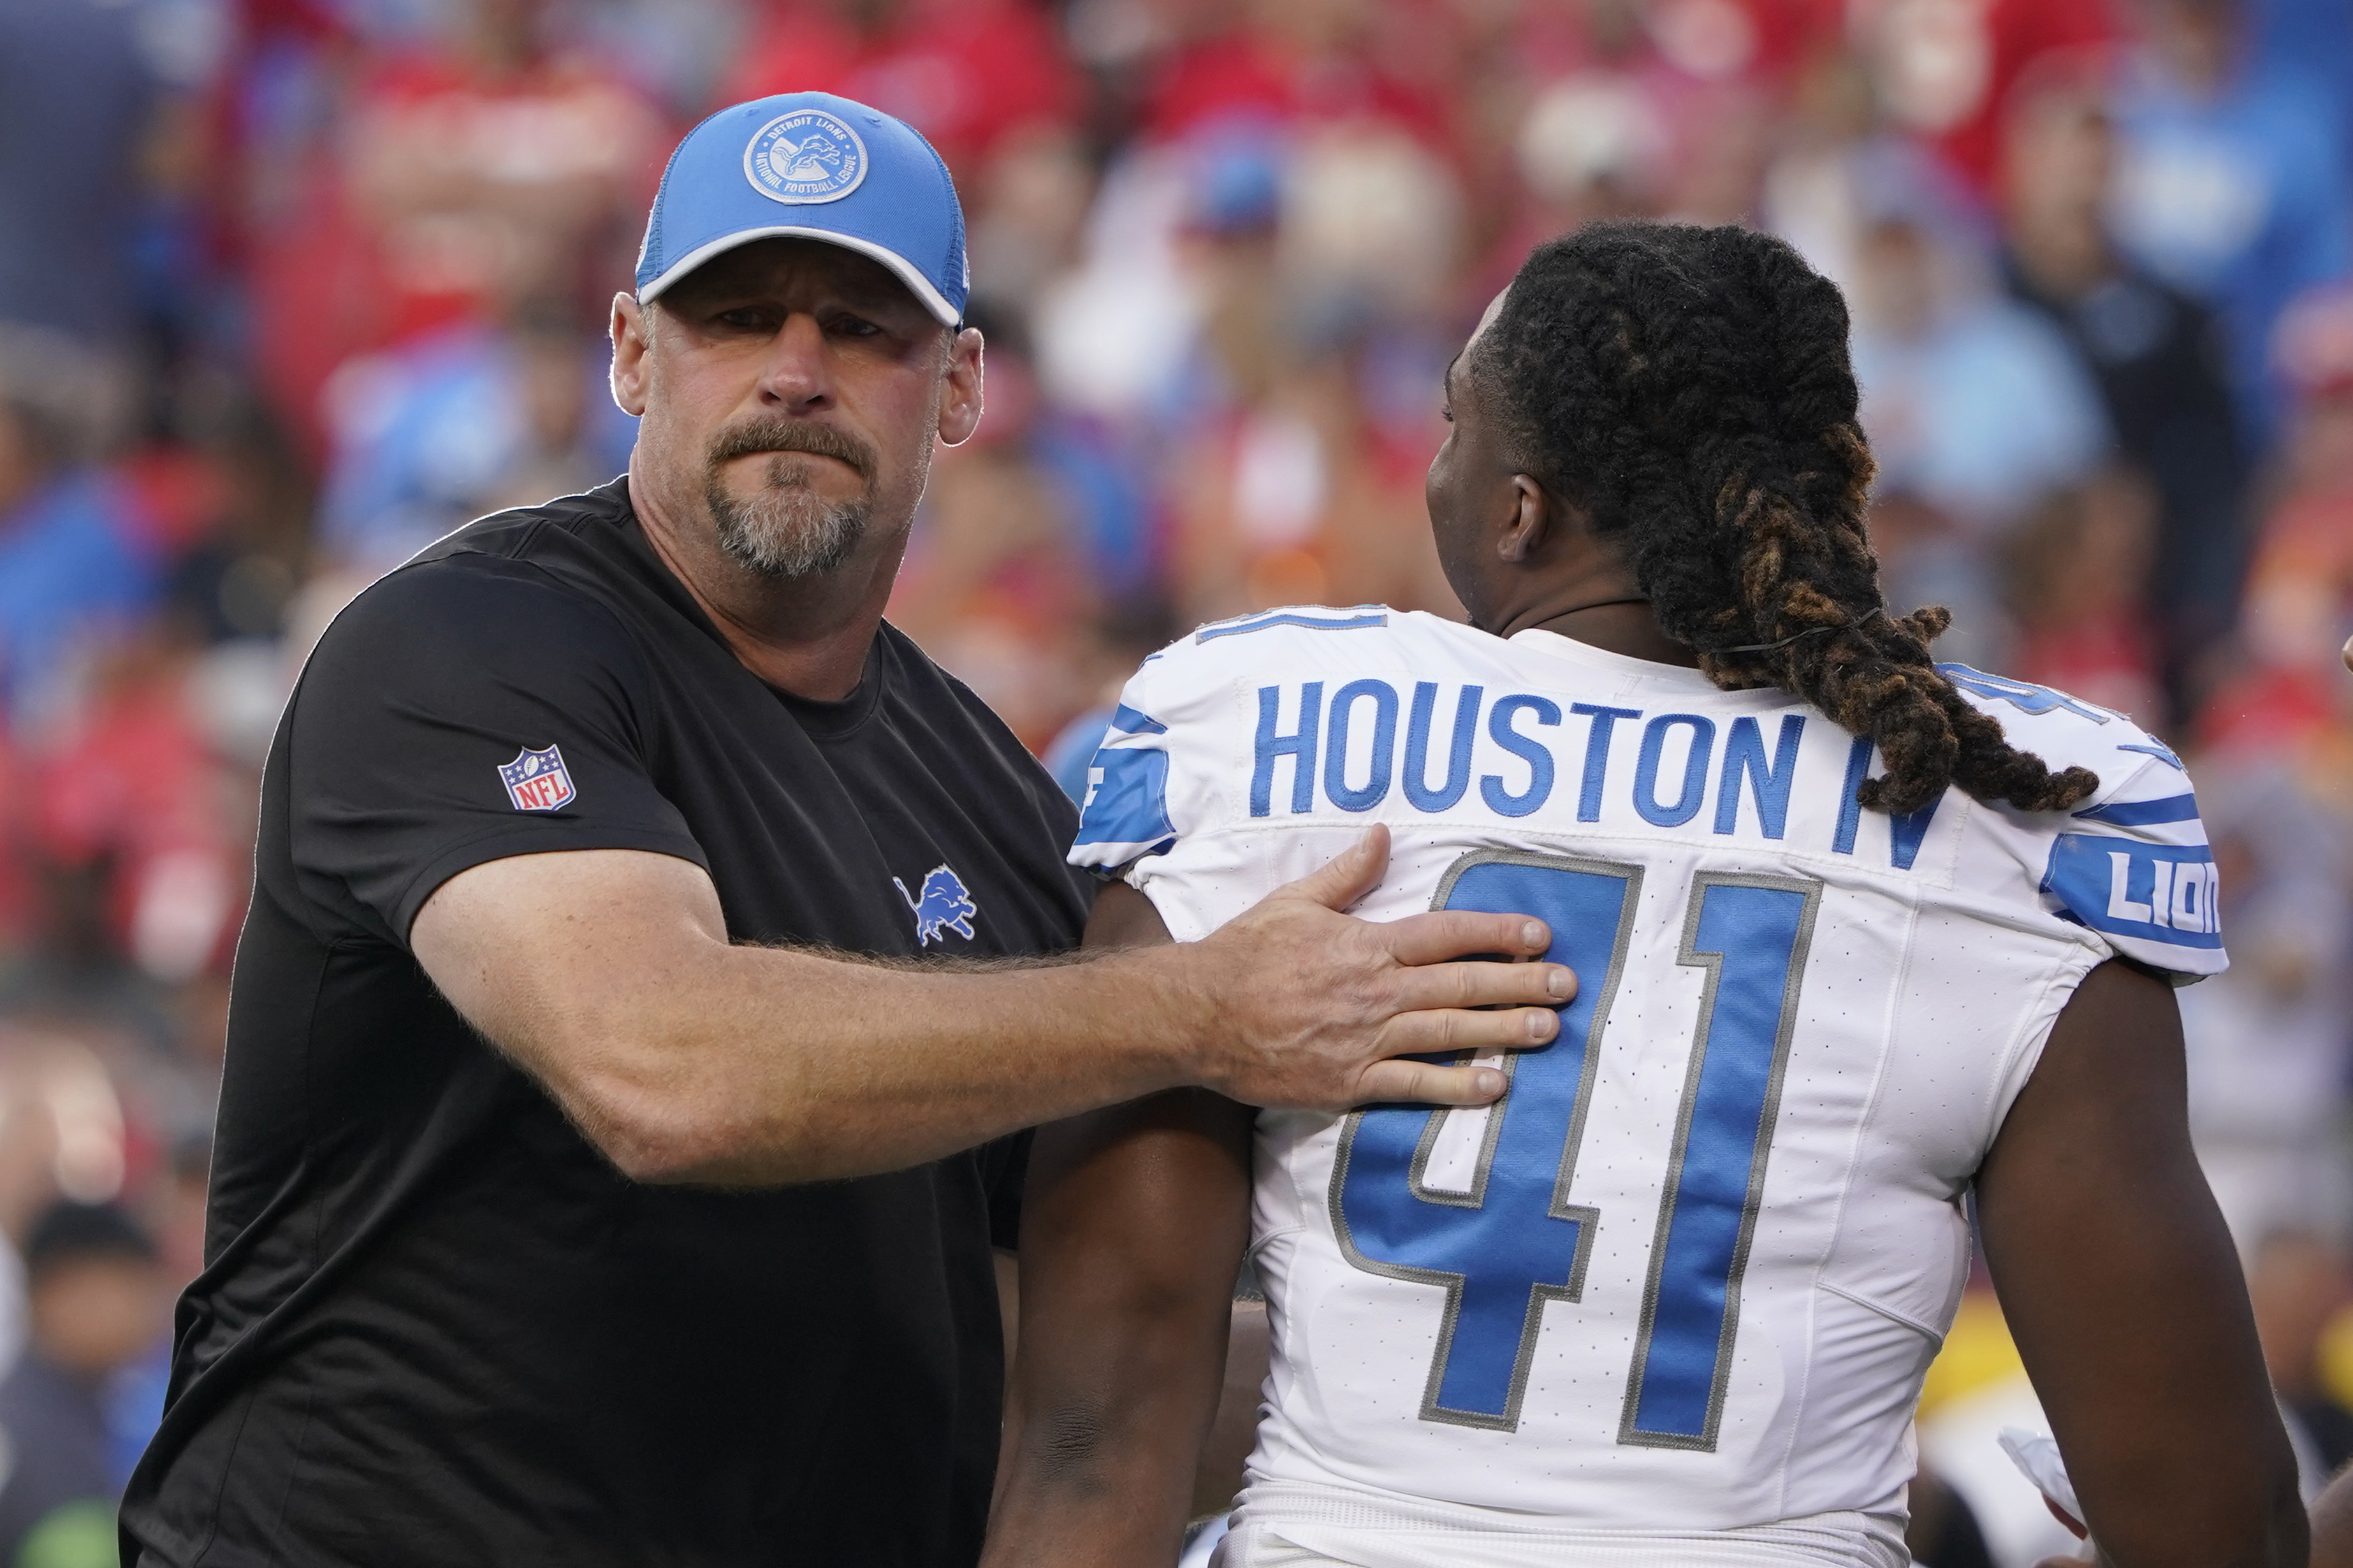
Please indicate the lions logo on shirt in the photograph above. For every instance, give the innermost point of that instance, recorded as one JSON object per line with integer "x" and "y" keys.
{"x": 537, "y": 781}
{"x": 805, "y": 157}
{"x": 943, "y": 906}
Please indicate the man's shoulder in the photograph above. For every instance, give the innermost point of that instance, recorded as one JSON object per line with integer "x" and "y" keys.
{"x": 452, "y": 616}
{"x": 464, "y": 601}
{"x": 524, "y": 532}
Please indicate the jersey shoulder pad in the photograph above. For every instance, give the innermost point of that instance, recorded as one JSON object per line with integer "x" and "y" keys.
{"x": 1142, "y": 795}
{"x": 2130, "y": 864}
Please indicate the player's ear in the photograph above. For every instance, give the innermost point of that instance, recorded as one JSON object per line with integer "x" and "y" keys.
{"x": 630, "y": 330}
{"x": 1530, "y": 524}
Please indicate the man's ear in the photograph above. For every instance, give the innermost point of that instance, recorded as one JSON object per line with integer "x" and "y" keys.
{"x": 1531, "y": 522}
{"x": 960, "y": 391}
{"x": 631, "y": 328}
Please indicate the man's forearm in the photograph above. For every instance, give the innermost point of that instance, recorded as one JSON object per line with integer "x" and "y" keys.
{"x": 763, "y": 1066}
{"x": 608, "y": 975}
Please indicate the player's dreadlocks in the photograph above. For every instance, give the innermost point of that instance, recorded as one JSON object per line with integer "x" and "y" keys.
{"x": 1689, "y": 387}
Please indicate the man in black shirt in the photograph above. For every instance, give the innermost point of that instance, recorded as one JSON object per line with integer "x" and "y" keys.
{"x": 603, "y": 1176}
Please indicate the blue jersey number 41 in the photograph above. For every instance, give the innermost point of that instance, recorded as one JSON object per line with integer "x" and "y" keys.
{"x": 1512, "y": 1242}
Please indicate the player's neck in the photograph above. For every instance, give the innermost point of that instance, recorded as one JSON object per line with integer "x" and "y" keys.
{"x": 1622, "y": 624}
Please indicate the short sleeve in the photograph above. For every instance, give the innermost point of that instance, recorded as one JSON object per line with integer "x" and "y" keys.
{"x": 2134, "y": 866}
{"x": 462, "y": 710}
{"x": 1124, "y": 816}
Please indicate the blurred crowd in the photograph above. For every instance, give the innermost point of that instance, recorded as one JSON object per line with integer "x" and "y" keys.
{"x": 290, "y": 287}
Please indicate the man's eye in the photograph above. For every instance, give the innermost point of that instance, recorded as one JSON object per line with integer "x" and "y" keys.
{"x": 850, "y": 326}
{"x": 1447, "y": 415}
{"x": 746, "y": 320}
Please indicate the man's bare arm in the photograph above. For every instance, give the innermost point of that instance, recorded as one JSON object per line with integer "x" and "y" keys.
{"x": 608, "y": 975}
{"x": 1134, "y": 1223}
{"x": 2124, "y": 1291}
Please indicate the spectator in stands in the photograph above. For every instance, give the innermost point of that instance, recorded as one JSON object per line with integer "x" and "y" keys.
{"x": 1972, "y": 402}
{"x": 71, "y": 561}
{"x": 488, "y": 166}
{"x": 2299, "y": 602}
{"x": 1976, "y": 408}
{"x": 968, "y": 74}
{"x": 467, "y": 420}
{"x": 75, "y": 99}
{"x": 2154, "y": 352}
{"x": 98, "y": 1303}
{"x": 1943, "y": 73}
{"x": 2232, "y": 186}
{"x": 2076, "y": 586}
{"x": 2268, "y": 1041}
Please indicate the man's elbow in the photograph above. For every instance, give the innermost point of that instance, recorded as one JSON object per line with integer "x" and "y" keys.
{"x": 672, "y": 1128}
{"x": 688, "y": 1141}
{"x": 655, "y": 1149}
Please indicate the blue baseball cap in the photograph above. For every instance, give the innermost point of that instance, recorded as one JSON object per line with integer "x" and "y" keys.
{"x": 809, "y": 165}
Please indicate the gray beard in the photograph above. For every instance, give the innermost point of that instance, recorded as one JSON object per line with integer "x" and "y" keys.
{"x": 786, "y": 532}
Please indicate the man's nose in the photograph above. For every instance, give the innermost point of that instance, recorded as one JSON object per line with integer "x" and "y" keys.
{"x": 797, "y": 374}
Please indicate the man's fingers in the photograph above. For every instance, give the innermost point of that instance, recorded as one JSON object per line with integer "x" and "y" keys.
{"x": 1347, "y": 875}
{"x": 1485, "y": 985}
{"x": 1459, "y": 1029}
{"x": 1428, "y": 1084}
{"x": 1450, "y": 933}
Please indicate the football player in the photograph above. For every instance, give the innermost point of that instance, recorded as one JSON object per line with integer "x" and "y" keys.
{"x": 1864, "y": 942}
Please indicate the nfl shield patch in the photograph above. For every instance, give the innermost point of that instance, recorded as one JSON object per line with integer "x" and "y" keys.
{"x": 537, "y": 781}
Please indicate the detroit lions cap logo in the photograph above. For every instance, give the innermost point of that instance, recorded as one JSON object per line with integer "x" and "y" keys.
{"x": 805, "y": 157}
{"x": 943, "y": 906}
{"x": 537, "y": 781}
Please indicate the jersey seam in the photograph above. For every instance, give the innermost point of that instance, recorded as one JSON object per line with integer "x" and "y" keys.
{"x": 1885, "y": 1311}
{"x": 1846, "y": 1190}
{"x": 1249, "y": 1253}
{"x": 2022, "y": 1043}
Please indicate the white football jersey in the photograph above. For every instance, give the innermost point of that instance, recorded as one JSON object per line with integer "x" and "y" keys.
{"x": 1681, "y": 1283}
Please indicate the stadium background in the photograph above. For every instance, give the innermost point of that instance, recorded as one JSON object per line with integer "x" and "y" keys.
{"x": 288, "y": 287}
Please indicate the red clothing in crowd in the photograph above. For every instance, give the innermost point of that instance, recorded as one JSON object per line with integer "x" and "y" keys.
{"x": 964, "y": 72}
{"x": 1948, "y": 66}
{"x": 453, "y": 187}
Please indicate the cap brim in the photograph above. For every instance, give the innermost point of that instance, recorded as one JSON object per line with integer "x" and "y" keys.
{"x": 906, "y": 271}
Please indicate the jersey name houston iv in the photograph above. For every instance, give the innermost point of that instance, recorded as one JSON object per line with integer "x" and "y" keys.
{"x": 1686, "y": 1277}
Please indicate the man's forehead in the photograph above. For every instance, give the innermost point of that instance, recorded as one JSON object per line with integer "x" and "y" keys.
{"x": 785, "y": 265}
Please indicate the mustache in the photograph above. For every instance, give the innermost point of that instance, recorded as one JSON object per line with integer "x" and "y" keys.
{"x": 793, "y": 435}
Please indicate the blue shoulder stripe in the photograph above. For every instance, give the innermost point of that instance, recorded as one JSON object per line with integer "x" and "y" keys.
{"x": 2158, "y": 749}
{"x": 2143, "y": 813}
{"x": 1316, "y": 623}
{"x": 1131, "y": 722}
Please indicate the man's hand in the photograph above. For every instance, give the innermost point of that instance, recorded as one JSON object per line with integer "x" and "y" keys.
{"x": 1311, "y": 1006}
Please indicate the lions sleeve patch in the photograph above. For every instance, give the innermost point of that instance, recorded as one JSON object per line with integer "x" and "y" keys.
{"x": 2134, "y": 866}
{"x": 1126, "y": 815}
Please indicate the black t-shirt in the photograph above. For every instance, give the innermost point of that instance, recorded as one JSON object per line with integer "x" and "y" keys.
{"x": 435, "y": 1325}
